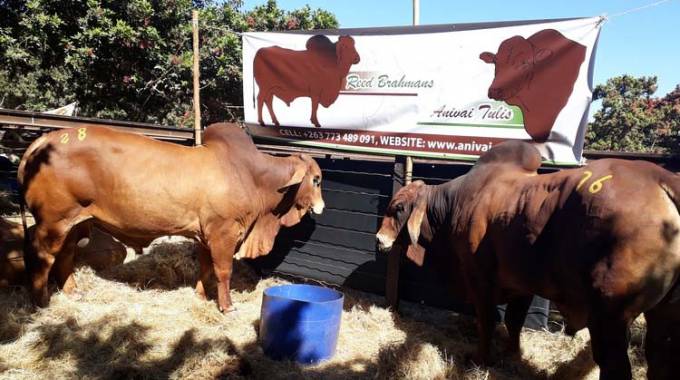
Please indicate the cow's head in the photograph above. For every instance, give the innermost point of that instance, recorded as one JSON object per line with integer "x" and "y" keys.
{"x": 345, "y": 52}
{"x": 406, "y": 209}
{"x": 305, "y": 187}
{"x": 515, "y": 63}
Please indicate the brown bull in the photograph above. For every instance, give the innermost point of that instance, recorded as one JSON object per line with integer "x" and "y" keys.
{"x": 536, "y": 74}
{"x": 317, "y": 73}
{"x": 101, "y": 252}
{"x": 602, "y": 242}
{"x": 225, "y": 194}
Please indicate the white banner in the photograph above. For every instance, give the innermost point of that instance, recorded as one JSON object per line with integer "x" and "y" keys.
{"x": 67, "y": 110}
{"x": 446, "y": 91}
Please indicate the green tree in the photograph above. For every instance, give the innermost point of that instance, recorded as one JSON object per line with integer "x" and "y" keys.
{"x": 628, "y": 118}
{"x": 669, "y": 123}
{"x": 132, "y": 59}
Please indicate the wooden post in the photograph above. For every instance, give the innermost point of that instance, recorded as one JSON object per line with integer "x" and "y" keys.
{"x": 403, "y": 175}
{"x": 197, "y": 87}
{"x": 394, "y": 256}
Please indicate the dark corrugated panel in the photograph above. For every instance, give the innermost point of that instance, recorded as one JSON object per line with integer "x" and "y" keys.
{"x": 338, "y": 247}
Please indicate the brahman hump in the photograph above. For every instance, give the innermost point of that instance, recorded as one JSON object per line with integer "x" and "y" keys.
{"x": 225, "y": 194}
{"x": 601, "y": 241}
{"x": 536, "y": 74}
{"x": 317, "y": 73}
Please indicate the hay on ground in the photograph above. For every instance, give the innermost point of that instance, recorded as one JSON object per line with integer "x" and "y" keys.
{"x": 143, "y": 320}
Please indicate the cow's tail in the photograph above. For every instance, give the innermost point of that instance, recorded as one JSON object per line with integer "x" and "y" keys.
{"x": 24, "y": 224}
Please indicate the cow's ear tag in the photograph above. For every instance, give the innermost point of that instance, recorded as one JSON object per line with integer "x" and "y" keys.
{"x": 542, "y": 55}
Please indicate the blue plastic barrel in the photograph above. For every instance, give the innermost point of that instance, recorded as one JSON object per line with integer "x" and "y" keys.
{"x": 300, "y": 322}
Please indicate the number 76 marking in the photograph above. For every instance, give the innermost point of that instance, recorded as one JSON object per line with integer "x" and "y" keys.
{"x": 596, "y": 186}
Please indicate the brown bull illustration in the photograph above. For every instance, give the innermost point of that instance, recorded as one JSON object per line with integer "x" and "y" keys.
{"x": 317, "y": 73}
{"x": 537, "y": 74}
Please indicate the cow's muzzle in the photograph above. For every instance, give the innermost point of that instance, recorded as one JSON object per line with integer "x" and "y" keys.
{"x": 318, "y": 207}
{"x": 384, "y": 242}
{"x": 496, "y": 93}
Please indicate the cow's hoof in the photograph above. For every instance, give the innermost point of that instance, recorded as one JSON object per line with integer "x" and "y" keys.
{"x": 41, "y": 301}
{"x": 75, "y": 295}
{"x": 476, "y": 360}
{"x": 200, "y": 292}
{"x": 227, "y": 310}
{"x": 512, "y": 353}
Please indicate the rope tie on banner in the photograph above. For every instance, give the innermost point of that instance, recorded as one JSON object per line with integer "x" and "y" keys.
{"x": 605, "y": 17}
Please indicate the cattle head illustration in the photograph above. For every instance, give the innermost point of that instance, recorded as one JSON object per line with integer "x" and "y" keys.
{"x": 536, "y": 74}
{"x": 317, "y": 73}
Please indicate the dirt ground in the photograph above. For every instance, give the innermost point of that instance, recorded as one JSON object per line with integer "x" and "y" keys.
{"x": 142, "y": 320}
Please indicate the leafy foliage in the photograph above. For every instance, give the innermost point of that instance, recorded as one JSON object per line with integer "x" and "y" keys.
{"x": 132, "y": 59}
{"x": 632, "y": 119}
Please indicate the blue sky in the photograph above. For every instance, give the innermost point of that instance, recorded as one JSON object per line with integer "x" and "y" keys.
{"x": 646, "y": 42}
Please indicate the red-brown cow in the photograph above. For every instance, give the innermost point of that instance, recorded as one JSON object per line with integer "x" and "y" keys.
{"x": 536, "y": 74}
{"x": 602, "y": 242}
{"x": 317, "y": 73}
{"x": 225, "y": 194}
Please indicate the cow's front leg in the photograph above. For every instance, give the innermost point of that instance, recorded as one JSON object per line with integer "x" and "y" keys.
{"x": 269, "y": 101}
{"x": 222, "y": 249}
{"x": 486, "y": 323}
{"x": 315, "y": 107}
{"x": 481, "y": 288}
{"x": 515, "y": 314}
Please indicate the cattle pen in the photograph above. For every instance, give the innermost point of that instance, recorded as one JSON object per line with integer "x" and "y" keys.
{"x": 336, "y": 248}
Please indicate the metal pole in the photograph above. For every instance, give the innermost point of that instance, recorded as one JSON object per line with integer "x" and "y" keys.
{"x": 408, "y": 170}
{"x": 403, "y": 170}
{"x": 416, "y": 12}
{"x": 197, "y": 88}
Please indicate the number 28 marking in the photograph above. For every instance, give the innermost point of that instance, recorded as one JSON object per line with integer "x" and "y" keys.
{"x": 64, "y": 138}
{"x": 596, "y": 186}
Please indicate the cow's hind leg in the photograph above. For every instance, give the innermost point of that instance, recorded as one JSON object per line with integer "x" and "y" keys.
{"x": 205, "y": 263}
{"x": 515, "y": 314}
{"x": 260, "y": 102}
{"x": 48, "y": 241}
{"x": 662, "y": 341}
{"x": 609, "y": 336}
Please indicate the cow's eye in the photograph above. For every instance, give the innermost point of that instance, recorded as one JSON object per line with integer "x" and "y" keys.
{"x": 316, "y": 181}
{"x": 399, "y": 207}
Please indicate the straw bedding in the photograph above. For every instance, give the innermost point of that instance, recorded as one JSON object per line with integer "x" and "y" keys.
{"x": 142, "y": 320}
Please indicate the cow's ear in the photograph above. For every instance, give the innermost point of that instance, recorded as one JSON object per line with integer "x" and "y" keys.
{"x": 415, "y": 220}
{"x": 488, "y": 57}
{"x": 296, "y": 173}
{"x": 542, "y": 55}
